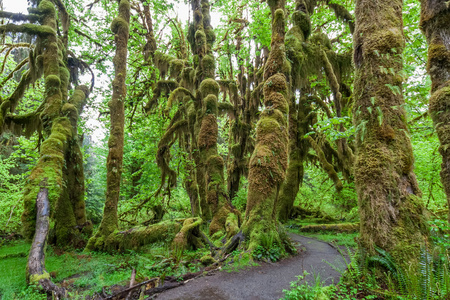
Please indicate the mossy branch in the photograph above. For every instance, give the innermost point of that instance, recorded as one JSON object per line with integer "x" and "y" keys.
{"x": 39, "y": 30}
{"x": 11, "y": 74}
{"x": 180, "y": 91}
{"x": 322, "y": 105}
{"x": 329, "y": 169}
{"x": 20, "y": 17}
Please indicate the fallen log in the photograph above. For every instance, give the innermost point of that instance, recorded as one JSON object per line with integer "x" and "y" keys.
{"x": 36, "y": 273}
{"x": 344, "y": 227}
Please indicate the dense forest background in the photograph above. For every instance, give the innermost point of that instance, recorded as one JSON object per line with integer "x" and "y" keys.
{"x": 232, "y": 116}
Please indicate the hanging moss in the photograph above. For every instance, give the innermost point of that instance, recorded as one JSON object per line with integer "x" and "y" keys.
{"x": 302, "y": 21}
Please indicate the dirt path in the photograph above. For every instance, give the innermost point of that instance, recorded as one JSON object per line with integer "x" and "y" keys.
{"x": 266, "y": 281}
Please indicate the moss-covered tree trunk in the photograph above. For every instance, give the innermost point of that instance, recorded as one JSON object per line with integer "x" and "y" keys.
{"x": 434, "y": 21}
{"x": 298, "y": 113}
{"x": 269, "y": 160}
{"x": 120, "y": 28}
{"x": 208, "y": 159}
{"x": 391, "y": 211}
{"x": 58, "y": 120}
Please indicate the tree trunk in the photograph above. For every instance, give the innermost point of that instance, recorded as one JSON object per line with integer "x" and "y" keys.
{"x": 434, "y": 20}
{"x": 120, "y": 27}
{"x": 268, "y": 163}
{"x": 391, "y": 211}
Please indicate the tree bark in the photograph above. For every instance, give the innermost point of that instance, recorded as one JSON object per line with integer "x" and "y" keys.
{"x": 120, "y": 28}
{"x": 267, "y": 168}
{"x": 36, "y": 273}
{"x": 434, "y": 20}
{"x": 391, "y": 212}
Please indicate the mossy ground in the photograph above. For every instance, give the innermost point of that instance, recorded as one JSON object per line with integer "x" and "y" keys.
{"x": 87, "y": 273}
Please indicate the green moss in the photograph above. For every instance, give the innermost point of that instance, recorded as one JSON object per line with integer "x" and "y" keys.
{"x": 52, "y": 81}
{"x": 119, "y": 23}
{"x": 321, "y": 38}
{"x": 124, "y": 8}
{"x": 47, "y": 8}
{"x": 207, "y": 260}
{"x": 303, "y": 22}
{"x": 200, "y": 40}
{"x": 34, "y": 278}
{"x": 210, "y": 104}
{"x": 208, "y": 66}
{"x": 209, "y": 86}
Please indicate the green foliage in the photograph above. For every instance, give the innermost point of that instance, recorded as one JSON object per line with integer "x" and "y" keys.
{"x": 303, "y": 290}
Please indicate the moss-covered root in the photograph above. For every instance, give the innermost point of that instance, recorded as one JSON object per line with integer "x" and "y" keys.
{"x": 136, "y": 237}
{"x": 434, "y": 21}
{"x": 120, "y": 28}
{"x": 392, "y": 214}
{"x": 189, "y": 236}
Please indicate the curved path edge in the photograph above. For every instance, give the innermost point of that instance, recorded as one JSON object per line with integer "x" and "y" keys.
{"x": 267, "y": 281}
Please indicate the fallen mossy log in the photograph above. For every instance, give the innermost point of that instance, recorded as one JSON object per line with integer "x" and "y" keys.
{"x": 344, "y": 227}
{"x": 183, "y": 232}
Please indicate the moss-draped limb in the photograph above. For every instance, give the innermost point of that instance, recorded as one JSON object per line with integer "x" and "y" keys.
{"x": 32, "y": 29}
{"x": 327, "y": 166}
{"x": 392, "y": 214}
{"x": 9, "y": 104}
{"x": 299, "y": 125}
{"x": 163, "y": 154}
{"x": 20, "y": 17}
{"x": 120, "y": 28}
{"x": 344, "y": 151}
{"x": 435, "y": 17}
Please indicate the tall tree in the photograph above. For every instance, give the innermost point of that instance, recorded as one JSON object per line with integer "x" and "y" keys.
{"x": 434, "y": 20}
{"x": 391, "y": 212}
{"x": 267, "y": 168}
{"x": 120, "y": 28}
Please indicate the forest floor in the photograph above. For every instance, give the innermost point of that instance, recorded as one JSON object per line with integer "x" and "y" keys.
{"x": 268, "y": 280}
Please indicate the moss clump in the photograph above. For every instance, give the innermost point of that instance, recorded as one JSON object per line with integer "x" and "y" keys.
{"x": 119, "y": 23}
{"x": 209, "y": 86}
{"x": 135, "y": 238}
{"x": 207, "y": 260}
{"x": 303, "y": 22}
{"x": 210, "y": 104}
{"x": 209, "y": 131}
{"x": 35, "y": 278}
{"x": 189, "y": 235}
{"x": 52, "y": 81}
{"x": 47, "y": 8}
{"x": 322, "y": 39}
